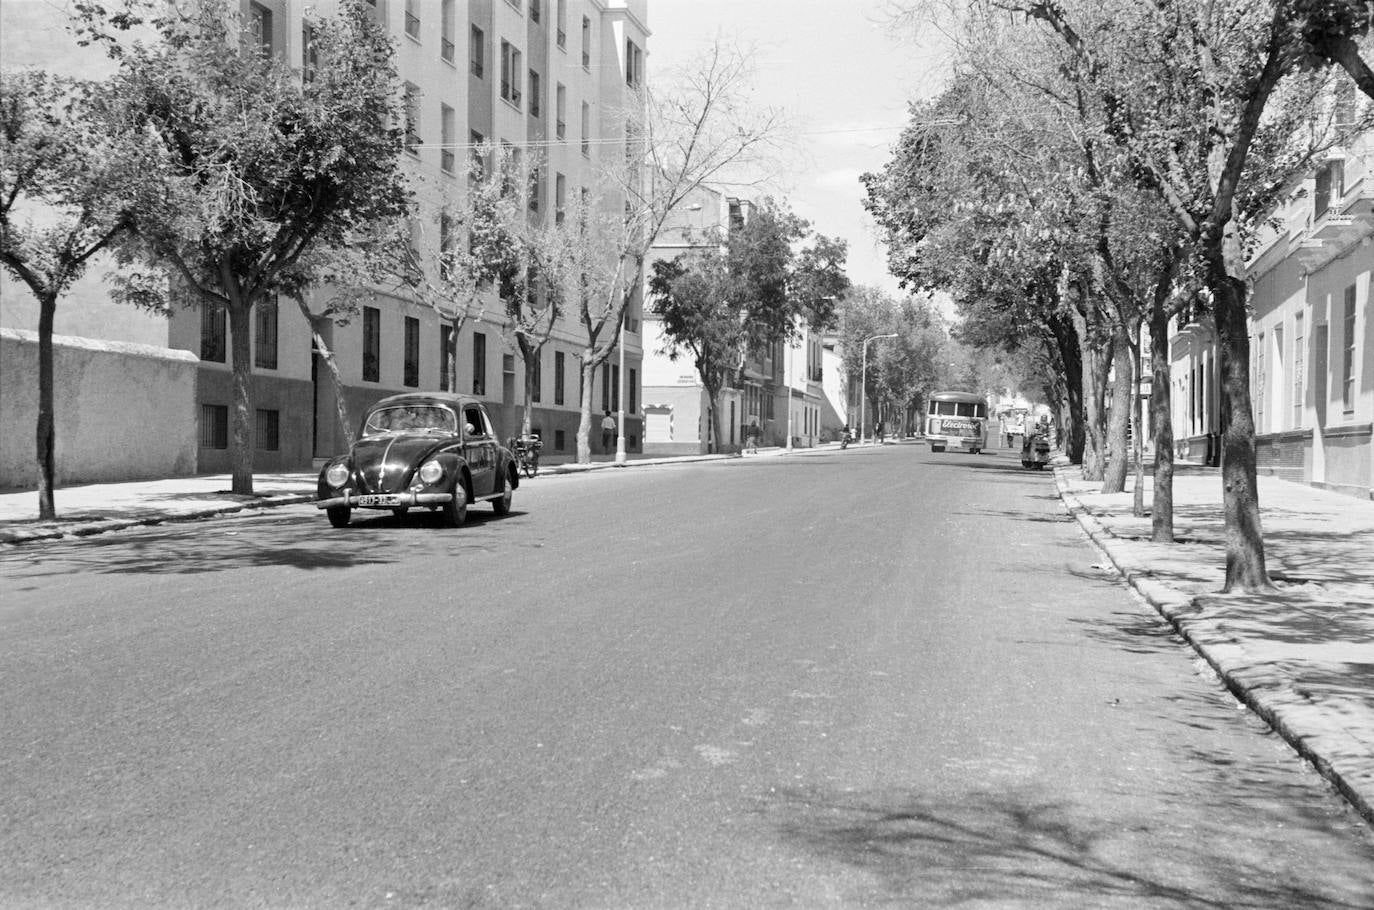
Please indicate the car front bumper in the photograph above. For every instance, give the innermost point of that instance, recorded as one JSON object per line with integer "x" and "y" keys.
{"x": 405, "y": 500}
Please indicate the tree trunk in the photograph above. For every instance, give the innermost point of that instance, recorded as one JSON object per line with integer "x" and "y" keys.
{"x": 1137, "y": 437}
{"x": 241, "y": 416}
{"x": 717, "y": 427}
{"x": 1161, "y": 426}
{"x": 528, "y": 356}
{"x": 330, "y": 362}
{"x": 46, "y": 450}
{"x": 1096, "y": 360}
{"x": 1117, "y": 462}
{"x": 1245, "y": 566}
{"x": 584, "y": 423}
{"x": 1070, "y": 356}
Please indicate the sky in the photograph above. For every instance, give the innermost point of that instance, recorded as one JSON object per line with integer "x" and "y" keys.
{"x": 841, "y": 72}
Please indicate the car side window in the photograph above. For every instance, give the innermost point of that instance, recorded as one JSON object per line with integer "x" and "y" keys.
{"x": 473, "y": 418}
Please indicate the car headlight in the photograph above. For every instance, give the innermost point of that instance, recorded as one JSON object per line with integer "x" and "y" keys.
{"x": 336, "y": 475}
{"x": 431, "y": 471}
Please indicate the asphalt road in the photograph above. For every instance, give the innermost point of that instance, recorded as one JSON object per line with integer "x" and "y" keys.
{"x": 877, "y": 677}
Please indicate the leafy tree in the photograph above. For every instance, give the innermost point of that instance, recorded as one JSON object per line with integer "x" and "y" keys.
{"x": 66, "y": 189}
{"x": 262, "y": 164}
{"x": 745, "y": 292}
{"x": 692, "y": 128}
{"x": 1186, "y": 88}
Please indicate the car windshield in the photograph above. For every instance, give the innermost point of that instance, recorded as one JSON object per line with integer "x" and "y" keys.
{"x": 410, "y": 419}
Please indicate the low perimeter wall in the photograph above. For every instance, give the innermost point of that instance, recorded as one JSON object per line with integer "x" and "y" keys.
{"x": 123, "y": 411}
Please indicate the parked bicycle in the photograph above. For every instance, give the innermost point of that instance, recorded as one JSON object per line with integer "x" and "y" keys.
{"x": 526, "y": 452}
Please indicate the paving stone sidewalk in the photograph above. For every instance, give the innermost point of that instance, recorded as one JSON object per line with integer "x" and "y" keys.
{"x": 1303, "y": 657}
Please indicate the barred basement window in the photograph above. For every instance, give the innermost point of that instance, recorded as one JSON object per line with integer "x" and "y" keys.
{"x": 412, "y": 352}
{"x": 265, "y": 334}
{"x": 214, "y": 426}
{"x": 212, "y": 333}
{"x": 372, "y": 344}
{"x": 266, "y": 430}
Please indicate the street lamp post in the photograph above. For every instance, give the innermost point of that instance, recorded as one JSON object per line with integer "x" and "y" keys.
{"x": 863, "y": 384}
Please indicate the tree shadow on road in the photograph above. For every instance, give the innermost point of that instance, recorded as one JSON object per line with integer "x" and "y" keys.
{"x": 1022, "y": 847}
{"x": 265, "y": 540}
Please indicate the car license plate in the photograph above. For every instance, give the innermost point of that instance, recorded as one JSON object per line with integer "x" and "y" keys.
{"x": 386, "y": 500}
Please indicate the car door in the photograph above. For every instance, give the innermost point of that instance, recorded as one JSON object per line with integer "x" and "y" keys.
{"x": 479, "y": 449}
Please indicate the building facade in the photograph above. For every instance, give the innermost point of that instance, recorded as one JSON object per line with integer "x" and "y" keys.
{"x": 1311, "y": 338}
{"x": 553, "y": 80}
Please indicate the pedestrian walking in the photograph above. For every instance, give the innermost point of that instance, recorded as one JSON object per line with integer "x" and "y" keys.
{"x": 607, "y": 431}
{"x": 751, "y": 436}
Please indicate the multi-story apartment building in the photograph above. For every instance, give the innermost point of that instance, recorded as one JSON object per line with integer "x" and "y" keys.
{"x": 549, "y": 80}
{"x": 1311, "y": 337}
{"x": 554, "y": 81}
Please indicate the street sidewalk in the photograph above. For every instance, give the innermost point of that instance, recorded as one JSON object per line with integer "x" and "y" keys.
{"x": 97, "y": 508}
{"x": 1303, "y": 657}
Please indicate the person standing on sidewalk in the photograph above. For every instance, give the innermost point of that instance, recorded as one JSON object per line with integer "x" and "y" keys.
{"x": 608, "y": 432}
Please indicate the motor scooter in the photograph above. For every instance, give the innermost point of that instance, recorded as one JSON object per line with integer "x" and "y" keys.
{"x": 845, "y": 435}
{"x": 1035, "y": 450}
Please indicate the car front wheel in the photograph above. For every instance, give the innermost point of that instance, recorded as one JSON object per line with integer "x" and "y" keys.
{"x": 339, "y": 515}
{"x": 456, "y": 509}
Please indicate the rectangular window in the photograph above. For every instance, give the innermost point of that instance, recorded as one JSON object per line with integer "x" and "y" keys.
{"x": 410, "y": 108}
{"x": 561, "y": 35}
{"x": 1348, "y": 358}
{"x": 560, "y": 111}
{"x": 445, "y": 356}
{"x": 477, "y": 52}
{"x": 537, "y": 379}
{"x": 479, "y": 363}
{"x": 214, "y": 426}
{"x": 634, "y": 64}
{"x": 536, "y": 189}
{"x": 412, "y": 19}
{"x": 586, "y": 130}
{"x": 265, "y": 334}
{"x": 536, "y": 10}
{"x": 310, "y": 56}
{"x": 632, "y": 393}
{"x": 1298, "y": 365}
{"x": 267, "y": 430}
{"x": 447, "y": 134}
{"x": 560, "y": 440}
{"x": 511, "y": 72}
{"x": 586, "y": 43}
{"x": 615, "y": 387}
{"x": 412, "y": 352}
{"x": 534, "y": 94}
{"x": 1329, "y": 189}
{"x": 372, "y": 344}
{"x": 477, "y": 166}
{"x": 559, "y": 367}
{"x": 446, "y": 32}
{"x": 260, "y": 27}
{"x": 447, "y": 237}
{"x": 605, "y": 387}
{"x": 560, "y": 197}
{"x": 212, "y": 322}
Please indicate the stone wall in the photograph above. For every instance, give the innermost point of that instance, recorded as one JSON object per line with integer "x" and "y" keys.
{"x": 124, "y": 411}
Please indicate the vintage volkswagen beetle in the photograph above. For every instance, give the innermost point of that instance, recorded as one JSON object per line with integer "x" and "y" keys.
{"x": 436, "y": 450}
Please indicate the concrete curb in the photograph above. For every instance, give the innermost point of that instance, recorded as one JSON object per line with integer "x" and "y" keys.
{"x": 1340, "y": 758}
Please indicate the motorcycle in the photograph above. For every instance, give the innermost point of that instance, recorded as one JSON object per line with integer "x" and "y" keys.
{"x": 845, "y": 435}
{"x": 1035, "y": 450}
